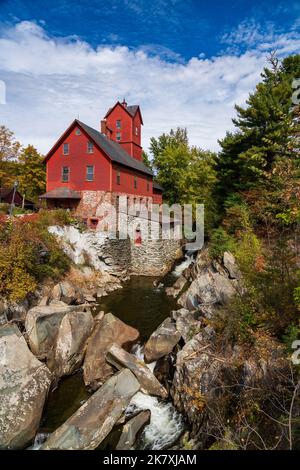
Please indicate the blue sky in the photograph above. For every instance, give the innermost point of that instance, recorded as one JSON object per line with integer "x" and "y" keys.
{"x": 185, "y": 28}
{"x": 185, "y": 62}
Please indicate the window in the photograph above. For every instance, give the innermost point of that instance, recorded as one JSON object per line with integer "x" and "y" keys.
{"x": 118, "y": 124}
{"x": 90, "y": 147}
{"x": 66, "y": 149}
{"x": 118, "y": 177}
{"x": 65, "y": 173}
{"x": 90, "y": 173}
{"x": 77, "y": 131}
{"x": 136, "y": 131}
{"x": 135, "y": 182}
{"x": 118, "y": 136}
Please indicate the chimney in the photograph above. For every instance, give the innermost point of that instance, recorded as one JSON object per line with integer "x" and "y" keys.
{"x": 124, "y": 103}
{"x": 103, "y": 126}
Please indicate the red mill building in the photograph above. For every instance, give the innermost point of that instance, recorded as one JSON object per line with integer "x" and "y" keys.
{"x": 86, "y": 167}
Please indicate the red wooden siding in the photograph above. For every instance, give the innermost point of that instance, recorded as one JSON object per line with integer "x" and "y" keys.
{"x": 77, "y": 161}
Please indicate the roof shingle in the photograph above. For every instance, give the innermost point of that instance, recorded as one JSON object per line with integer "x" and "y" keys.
{"x": 114, "y": 150}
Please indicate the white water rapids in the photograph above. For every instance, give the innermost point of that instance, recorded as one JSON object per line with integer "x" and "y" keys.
{"x": 189, "y": 258}
{"x": 166, "y": 424}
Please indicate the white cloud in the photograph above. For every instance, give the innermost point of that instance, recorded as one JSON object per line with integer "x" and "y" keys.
{"x": 49, "y": 81}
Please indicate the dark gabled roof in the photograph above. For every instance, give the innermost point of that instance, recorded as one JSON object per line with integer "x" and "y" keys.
{"x": 114, "y": 150}
{"x": 132, "y": 109}
{"x": 157, "y": 186}
{"x": 61, "y": 193}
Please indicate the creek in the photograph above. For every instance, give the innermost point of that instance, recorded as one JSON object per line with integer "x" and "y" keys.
{"x": 144, "y": 306}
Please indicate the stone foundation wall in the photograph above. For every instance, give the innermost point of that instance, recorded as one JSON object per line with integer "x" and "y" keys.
{"x": 151, "y": 258}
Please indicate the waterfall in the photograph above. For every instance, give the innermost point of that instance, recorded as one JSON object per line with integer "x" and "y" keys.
{"x": 166, "y": 424}
{"x": 189, "y": 258}
{"x": 39, "y": 440}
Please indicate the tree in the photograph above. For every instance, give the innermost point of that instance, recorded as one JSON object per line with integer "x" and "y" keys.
{"x": 146, "y": 160}
{"x": 186, "y": 173}
{"x": 32, "y": 173}
{"x": 264, "y": 129}
{"x": 9, "y": 152}
{"x": 173, "y": 139}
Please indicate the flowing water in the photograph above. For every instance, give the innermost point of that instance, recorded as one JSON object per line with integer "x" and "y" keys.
{"x": 144, "y": 306}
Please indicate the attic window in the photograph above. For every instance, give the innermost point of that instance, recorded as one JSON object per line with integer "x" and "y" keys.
{"x": 90, "y": 147}
{"x": 66, "y": 149}
{"x": 118, "y": 124}
{"x": 78, "y": 131}
{"x": 118, "y": 136}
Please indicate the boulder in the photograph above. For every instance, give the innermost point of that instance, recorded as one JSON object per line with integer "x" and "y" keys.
{"x": 67, "y": 293}
{"x": 230, "y": 265}
{"x": 24, "y": 384}
{"x": 187, "y": 323}
{"x": 162, "y": 341}
{"x": 149, "y": 383}
{"x": 94, "y": 420}
{"x": 107, "y": 332}
{"x": 42, "y": 325}
{"x": 208, "y": 288}
{"x": 177, "y": 287}
{"x": 73, "y": 333}
{"x": 132, "y": 429}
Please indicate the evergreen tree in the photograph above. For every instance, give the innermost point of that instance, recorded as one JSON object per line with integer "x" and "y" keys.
{"x": 264, "y": 129}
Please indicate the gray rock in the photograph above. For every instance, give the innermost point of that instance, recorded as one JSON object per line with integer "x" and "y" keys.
{"x": 162, "y": 341}
{"x": 208, "y": 288}
{"x": 177, "y": 287}
{"x": 24, "y": 384}
{"x": 94, "y": 420}
{"x": 231, "y": 266}
{"x": 149, "y": 383}
{"x": 187, "y": 323}
{"x": 132, "y": 429}
{"x": 42, "y": 325}
{"x": 110, "y": 330}
{"x": 67, "y": 293}
{"x": 74, "y": 330}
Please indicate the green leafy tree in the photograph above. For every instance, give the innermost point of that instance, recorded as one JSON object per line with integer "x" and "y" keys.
{"x": 186, "y": 173}
{"x": 32, "y": 173}
{"x": 9, "y": 153}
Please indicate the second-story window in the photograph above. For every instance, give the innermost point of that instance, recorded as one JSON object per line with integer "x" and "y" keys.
{"x": 65, "y": 174}
{"x": 90, "y": 173}
{"x": 135, "y": 182}
{"x": 118, "y": 124}
{"x": 90, "y": 147}
{"x": 66, "y": 149}
{"x": 118, "y": 136}
{"x": 118, "y": 177}
{"x": 136, "y": 131}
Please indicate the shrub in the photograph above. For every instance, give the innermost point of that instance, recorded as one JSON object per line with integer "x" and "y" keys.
{"x": 4, "y": 208}
{"x": 220, "y": 241}
{"x": 28, "y": 254}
